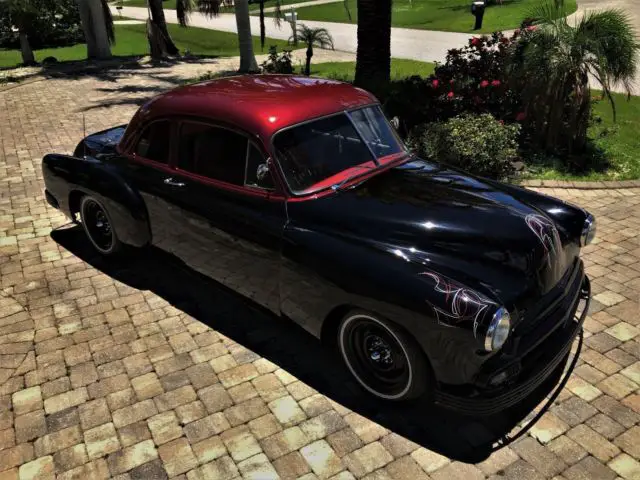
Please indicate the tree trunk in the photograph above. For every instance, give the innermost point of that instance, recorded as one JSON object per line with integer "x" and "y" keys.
{"x": 373, "y": 57}
{"x": 307, "y": 67}
{"x": 98, "y": 30}
{"x": 85, "y": 19}
{"x": 248, "y": 62}
{"x": 263, "y": 29}
{"x": 25, "y": 49}
{"x": 157, "y": 15}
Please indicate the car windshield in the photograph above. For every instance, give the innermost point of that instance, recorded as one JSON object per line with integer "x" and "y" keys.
{"x": 324, "y": 152}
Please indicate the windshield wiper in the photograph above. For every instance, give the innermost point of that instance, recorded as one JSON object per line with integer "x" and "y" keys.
{"x": 341, "y": 183}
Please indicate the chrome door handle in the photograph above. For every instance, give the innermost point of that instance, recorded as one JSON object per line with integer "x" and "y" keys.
{"x": 172, "y": 182}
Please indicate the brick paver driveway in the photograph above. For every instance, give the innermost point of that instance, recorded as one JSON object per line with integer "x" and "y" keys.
{"x": 144, "y": 369}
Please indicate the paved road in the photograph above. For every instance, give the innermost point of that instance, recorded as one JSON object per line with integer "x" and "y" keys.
{"x": 286, "y": 8}
{"x": 143, "y": 369}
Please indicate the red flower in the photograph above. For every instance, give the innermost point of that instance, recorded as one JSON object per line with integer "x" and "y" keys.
{"x": 435, "y": 83}
{"x": 475, "y": 41}
{"x": 501, "y": 122}
{"x": 504, "y": 40}
{"x": 450, "y": 94}
{"x": 532, "y": 28}
{"x": 521, "y": 116}
{"x": 484, "y": 83}
{"x": 451, "y": 82}
{"x": 496, "y": 83}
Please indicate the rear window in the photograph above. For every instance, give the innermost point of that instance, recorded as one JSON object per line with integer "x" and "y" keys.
{"x": 154, "y": 142}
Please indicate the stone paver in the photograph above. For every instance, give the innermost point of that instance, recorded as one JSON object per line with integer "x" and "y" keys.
{"x": 99, "y": 378}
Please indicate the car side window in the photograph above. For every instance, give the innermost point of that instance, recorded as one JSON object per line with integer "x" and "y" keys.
{"x": 257, "y": 174}
{"x": 154, "y": 143}
{"x": 212, "y": 152}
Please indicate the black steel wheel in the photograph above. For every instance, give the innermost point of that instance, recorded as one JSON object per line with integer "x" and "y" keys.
{"x": 382, "y": 357}
{"x": 98, "y": 226}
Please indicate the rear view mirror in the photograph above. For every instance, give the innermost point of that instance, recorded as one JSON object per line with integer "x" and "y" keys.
{"x": 262, "y": 171}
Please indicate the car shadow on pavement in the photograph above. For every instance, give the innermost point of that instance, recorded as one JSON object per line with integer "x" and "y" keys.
{"x": 467, "y": 439}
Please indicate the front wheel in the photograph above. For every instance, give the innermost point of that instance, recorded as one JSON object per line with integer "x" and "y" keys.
{"x": 98, "y": 226}
{"x": 384, "y": 359}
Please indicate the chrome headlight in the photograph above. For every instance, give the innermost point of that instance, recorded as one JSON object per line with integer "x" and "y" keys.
{"x": 588, "y": 230}
{"x": 498, "y": 330}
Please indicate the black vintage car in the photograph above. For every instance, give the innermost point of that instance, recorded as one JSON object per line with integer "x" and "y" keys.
{"x": 297, "y": 193}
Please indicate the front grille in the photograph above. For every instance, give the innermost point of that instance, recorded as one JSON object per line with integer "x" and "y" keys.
{"x": 535, "y": 367}
{"x": 551, "y": 316}
{"x": 548, "y": 302}
{"x": 546, "y": 315}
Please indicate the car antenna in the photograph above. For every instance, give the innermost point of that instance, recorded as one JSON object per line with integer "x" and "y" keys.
{"x": 84, "y": 136}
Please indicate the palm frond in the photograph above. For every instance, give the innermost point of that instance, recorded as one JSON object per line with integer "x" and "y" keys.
{"x": 108, "y": 22}
{"x": 610, "y": 39}
{"x": 263, "y": 29}
{"x": 277, "y": 12}
{"x": 209, "y": 8}
{"x": 347, "y": 9}
{"x": 319, "y": 37}
{"x": 183, "y": 10}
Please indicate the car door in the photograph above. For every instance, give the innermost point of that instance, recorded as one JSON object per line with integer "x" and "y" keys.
{"x": 147, "y": 167}
{"x": 229, "y": 225}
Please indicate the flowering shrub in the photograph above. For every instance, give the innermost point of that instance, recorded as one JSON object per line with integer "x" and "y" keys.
{"x": 473, "y": 79}
{"x": 477, "y": 143}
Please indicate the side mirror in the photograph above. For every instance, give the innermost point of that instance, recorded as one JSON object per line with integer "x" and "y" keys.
{"x": 262, "y": 172}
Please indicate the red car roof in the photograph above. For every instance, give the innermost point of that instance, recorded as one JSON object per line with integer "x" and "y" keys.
{"x": 259, "y": 104}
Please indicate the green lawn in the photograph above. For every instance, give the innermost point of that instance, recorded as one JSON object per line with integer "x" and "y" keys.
{"x": 444, "y": 15}
{"x": 616, "y": 144}
{"x": 345, "y": 71}
{"x": 132, "y": 40}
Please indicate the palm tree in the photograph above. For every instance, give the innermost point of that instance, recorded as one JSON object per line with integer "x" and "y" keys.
{"x": 554, "y": 61}
{"x": 160, "y": 41}
{"x": 20, "y": 13}
{"x": 373, "y": 55}
{"x": 248, "y": 62}
{"x": 276, "y": 18}
{"x": 97, "y": 25}
{"x": 319, "y": 37}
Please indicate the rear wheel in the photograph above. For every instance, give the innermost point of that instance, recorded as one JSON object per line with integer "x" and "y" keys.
{"x": 384, "y": 359}
{"x": 98, "y": 226}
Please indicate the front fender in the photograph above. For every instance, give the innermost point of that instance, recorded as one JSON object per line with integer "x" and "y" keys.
{"x": 321, "y": 272}
{"x": 68, "y": 177}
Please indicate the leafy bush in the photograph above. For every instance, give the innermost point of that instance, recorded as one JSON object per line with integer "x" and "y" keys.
{"x": 277, "y": 63}
{"x": 479, "y": 144}
{"x": 473, "y": 79}
{"x": 57, "y": 24}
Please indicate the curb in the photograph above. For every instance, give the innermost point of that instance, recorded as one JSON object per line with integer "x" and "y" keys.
{"x": 596, "y": 185}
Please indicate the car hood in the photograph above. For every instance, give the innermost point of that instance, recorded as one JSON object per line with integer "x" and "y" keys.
{"x": 446, "y": 223}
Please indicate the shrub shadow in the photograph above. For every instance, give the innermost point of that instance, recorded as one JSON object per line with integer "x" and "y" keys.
{"x": 455, "y": 436}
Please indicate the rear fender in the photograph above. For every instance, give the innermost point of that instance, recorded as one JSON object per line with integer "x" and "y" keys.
{"x": 68, "y": 178}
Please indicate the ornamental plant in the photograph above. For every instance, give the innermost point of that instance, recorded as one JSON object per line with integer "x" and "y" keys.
{"x": 551, "y": 66}
{"x": 473, "y": 79}
{"x": 477, "y": 143}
